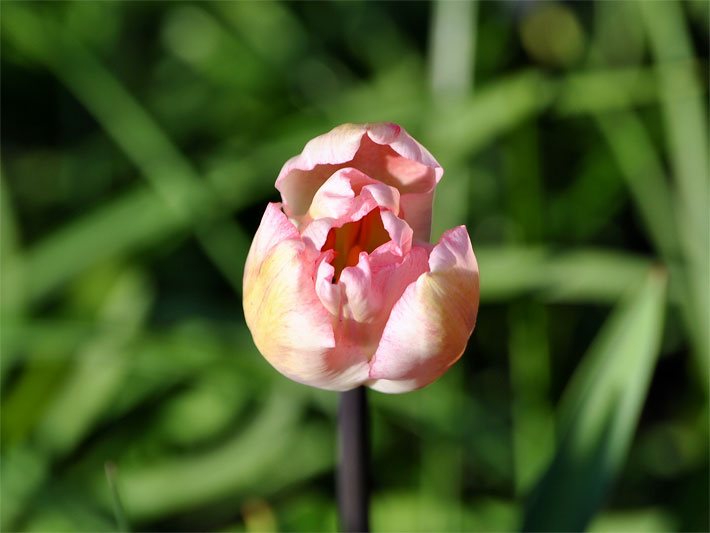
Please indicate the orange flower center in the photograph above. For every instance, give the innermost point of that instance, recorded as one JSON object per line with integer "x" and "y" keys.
{"x": 350, "y": 239}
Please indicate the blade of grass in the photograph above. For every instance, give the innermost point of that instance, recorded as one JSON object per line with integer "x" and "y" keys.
{"x": 582, "y": 275}
{"x": 652, "y": 520}
{"x": 110, "y": 470}
{"x": 682, "y": 105}
{"x": 685, "y": 117}
{"x": 10, "y": 270}
{"x": 452, "y": 48}
{"x": 12, "y": 299}
{"x": 599, "y": 412}
{"x": 597, "y": 91}
{"x": 640, "y": 167}
{"x": 658, "y": 204}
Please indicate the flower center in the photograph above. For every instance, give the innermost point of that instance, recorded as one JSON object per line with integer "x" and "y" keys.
{"x": 350, "y": 239}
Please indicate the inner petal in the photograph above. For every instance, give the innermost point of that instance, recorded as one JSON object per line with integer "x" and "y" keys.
{"x": 347, "y": 241}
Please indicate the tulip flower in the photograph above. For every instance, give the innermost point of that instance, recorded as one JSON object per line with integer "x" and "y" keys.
{"x": 341, "y": 286}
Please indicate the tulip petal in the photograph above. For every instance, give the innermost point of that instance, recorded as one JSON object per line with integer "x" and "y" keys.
{"x": 368, "y": 293}
{"x": 290, "y": 326}
{"x": 336, "y": 198}
{"x": 399, "y": 231}
{"x": 303, "y": 174}
{"x": 430, "y": 324}
{"x": 348, "y": 196}
{"x": 384, "y": 151}
{"x": 273, "y": 229}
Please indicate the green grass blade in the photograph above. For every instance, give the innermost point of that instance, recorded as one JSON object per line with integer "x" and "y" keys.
{"x": 643, "y": 173}
{"x": 582, "y": 275}
{"x": 685, "y": 117}
{"x": 10, "y": 270}
{"x": 120, "y": 515}
{"x": 599, "y": 412}
{"x": 12, "y": 298}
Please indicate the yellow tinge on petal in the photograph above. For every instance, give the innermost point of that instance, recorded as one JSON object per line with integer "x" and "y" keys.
{"x": 289, "y": 325}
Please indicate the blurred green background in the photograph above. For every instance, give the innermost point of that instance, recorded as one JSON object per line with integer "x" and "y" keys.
{"x": 141, "y": 142}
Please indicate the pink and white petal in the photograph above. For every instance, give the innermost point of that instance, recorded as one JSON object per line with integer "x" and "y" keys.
{"x": 384, "y": 151}
{"x": 289, "y": 324}
{"x": 329, "y": 293}
{"x": 383, "y": 163}
{"x": 361, "y": 302}
{"x": 392, "y": 280}
{"x": 399, "y": 231}
{"x": 404, "y": 144}
{"x": 316, "y": 232}
{"x": 453, "y": 252}
{"x": 407, "y": 166}
{"x": 334, "y": 198}
{"x": 390, "y": 386}
{"x": 303, "y": 174}
{"x": 273, "y": 229}
{"x": 430, "y": 324}
{"x": 382, "y": 196}
{"x": 332, "y": 148}
{"x": 349, "y": 191}
{"x": 369, "y": 294}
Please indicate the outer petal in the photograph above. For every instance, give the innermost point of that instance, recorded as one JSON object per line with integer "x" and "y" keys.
{"x": 274, "y": 228}
{"x": 303, "y": 174}
{"x": 430, "y": 324}
{"x": 290, "y": 326}
{"x": 385, "y": 152}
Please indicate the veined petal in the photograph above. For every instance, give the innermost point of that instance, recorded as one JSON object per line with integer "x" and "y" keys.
{"x": 290, "y": 326}
{"x": 430, "y": 324}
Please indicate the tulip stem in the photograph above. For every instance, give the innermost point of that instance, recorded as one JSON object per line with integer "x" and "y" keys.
{"x": 353, "y": 460}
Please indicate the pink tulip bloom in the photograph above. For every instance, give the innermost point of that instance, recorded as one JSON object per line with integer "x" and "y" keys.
{"x": 341, "y": 285}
